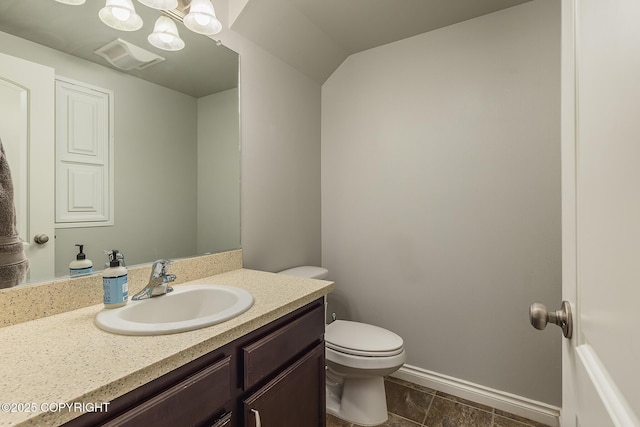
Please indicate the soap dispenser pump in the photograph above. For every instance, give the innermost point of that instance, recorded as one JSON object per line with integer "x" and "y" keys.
{"x": 115, "y": 281}
{"x": 81, "y": 266}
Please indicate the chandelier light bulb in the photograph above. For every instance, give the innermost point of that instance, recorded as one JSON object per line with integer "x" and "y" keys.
{"x": 165, "y": 35}
{"x": 121, "y": 15}
{"x": 202, "y": 19}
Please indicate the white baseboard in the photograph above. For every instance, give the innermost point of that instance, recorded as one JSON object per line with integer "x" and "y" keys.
{"x": 517, "y": 405}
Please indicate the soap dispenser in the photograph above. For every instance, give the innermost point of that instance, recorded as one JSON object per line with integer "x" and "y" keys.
{"x": 115, "y": 281}
{"x": 81, "y": 266}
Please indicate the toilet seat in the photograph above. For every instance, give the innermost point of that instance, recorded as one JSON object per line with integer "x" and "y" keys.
{"x": 361, "y": 339}
{"x": 353, "y": 352}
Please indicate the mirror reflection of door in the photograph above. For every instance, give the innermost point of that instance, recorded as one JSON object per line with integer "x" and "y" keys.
{"x": 27, "y": 133}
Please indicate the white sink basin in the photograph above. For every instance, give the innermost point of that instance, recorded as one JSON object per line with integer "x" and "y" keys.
{"x": 187, "y": 308}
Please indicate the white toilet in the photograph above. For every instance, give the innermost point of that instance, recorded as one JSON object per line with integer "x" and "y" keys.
{"x": 358, "y": 356}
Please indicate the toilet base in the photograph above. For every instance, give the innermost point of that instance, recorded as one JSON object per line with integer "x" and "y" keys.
{"x": 358, "y": 400}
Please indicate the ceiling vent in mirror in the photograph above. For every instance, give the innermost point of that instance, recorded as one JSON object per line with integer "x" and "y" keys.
{"x": 127, "y": 56}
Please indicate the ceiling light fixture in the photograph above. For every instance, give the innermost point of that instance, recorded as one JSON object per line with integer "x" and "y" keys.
{"x": 202, "y": 19}
{"x": 121, "y": 15}
{"x": 165, "y": 35}
{"x": 160, "y": 4}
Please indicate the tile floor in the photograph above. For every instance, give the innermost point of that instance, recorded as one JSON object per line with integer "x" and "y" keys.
{"x": 411, "y": 405}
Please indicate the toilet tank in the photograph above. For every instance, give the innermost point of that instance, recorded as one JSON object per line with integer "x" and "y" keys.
{"x": 307, "y": 271}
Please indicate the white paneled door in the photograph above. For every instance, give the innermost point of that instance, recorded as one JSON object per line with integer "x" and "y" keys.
{"x": 27, "y": 132}
{"x": 84, "y": 155}
{"x": 601, "y": 211}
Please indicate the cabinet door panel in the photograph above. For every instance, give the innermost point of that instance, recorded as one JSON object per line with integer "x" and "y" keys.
{"x": 275, "y": 350}
{"x": 294, "y": 398}
{"x": 190, "y": 402}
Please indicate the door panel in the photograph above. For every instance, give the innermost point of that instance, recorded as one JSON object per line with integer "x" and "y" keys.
{"x": 601, "y": 225}
{"x": 33, "y": 167}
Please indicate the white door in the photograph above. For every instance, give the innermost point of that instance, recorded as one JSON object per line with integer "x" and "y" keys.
{"x": 27, "y": 133}
{"x": 601, "y": 211}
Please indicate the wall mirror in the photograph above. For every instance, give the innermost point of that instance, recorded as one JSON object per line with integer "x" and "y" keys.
{"x": 174, "y": 134}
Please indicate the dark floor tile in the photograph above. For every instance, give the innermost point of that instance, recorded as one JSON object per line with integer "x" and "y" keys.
{"x": 447, "y": 413}
{"x": 396, "y": 421}
{"x": 464, "y": 401}
{"x": 333, "y": 421}
{"x": 407, "y": 402}
{"x": 523, "y": 420}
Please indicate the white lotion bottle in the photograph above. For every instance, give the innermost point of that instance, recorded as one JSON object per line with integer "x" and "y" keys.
{"x": 115, "y": 282}
{"x": 81, "y": 266}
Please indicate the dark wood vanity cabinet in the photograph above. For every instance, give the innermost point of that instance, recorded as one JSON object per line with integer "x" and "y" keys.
{"x": 275, "y": 373}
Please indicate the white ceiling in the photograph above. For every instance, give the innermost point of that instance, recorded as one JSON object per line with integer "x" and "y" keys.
{"x": 316, "y": 36}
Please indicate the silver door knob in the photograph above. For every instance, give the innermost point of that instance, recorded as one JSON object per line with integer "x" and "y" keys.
{"x": 41, "y": 239}
{"x": 539, "y": 317}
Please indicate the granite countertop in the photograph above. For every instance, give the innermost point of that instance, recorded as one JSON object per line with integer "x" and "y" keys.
{"x": 65, "y": 358}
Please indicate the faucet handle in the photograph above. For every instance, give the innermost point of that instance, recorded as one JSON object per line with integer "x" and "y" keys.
{"x": 160, "y": 267}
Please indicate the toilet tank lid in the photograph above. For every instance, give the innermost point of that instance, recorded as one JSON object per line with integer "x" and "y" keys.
{"x": 307, "y": 271}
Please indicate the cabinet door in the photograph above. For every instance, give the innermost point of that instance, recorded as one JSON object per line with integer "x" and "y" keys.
{"x": 295, "y": 398}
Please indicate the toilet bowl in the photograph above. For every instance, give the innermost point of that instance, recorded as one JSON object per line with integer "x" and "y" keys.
{"x": 358, "y": 356}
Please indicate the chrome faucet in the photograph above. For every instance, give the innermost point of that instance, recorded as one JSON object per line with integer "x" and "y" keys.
{"x": 158, "y": 282}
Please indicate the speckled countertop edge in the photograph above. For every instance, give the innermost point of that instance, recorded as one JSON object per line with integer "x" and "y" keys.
{"x": 66, "y": 358}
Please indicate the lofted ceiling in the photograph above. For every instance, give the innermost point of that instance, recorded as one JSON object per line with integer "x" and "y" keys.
{"x": 316, "y": 36}
{"x": 313, "y": 36}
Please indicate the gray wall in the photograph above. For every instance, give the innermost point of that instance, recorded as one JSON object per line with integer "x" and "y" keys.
{"x": 441, "y": 195}
{"x": 218, "y": 172}
{"x": 150, "y": 195}
{"x": 280, "y": 191}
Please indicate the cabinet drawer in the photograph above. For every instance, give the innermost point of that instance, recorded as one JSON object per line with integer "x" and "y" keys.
{"x": 195, "y": 398}
{"x": 272, "y": 352}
